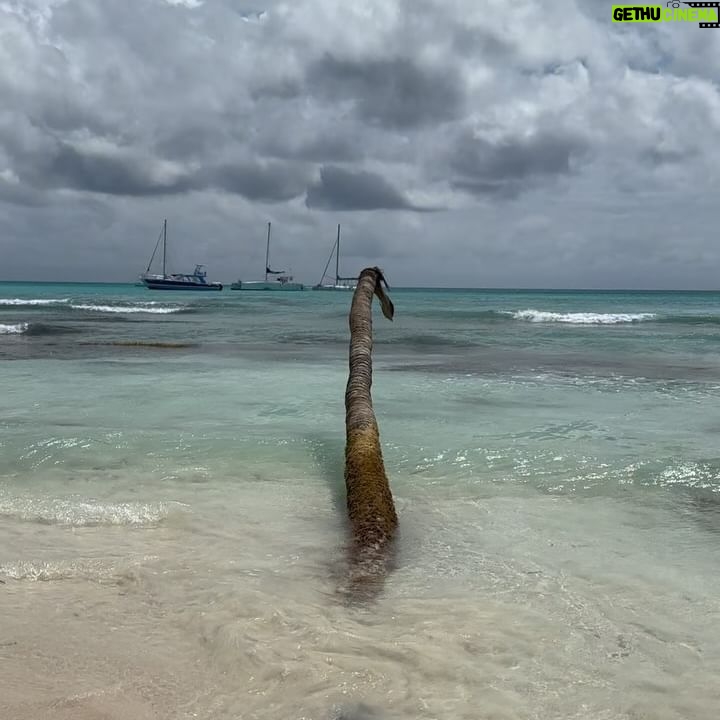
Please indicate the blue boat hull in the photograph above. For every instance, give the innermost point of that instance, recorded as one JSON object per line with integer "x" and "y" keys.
{"x": 180, "y": 285}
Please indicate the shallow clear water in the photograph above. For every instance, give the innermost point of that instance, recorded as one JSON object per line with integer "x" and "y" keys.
{"x": 172, "y": 505}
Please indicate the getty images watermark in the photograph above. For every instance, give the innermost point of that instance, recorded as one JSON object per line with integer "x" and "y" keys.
{"x": 707, "y": 14}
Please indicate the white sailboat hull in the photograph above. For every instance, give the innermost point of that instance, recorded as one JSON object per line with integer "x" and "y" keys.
{"x": 338, "y": 284}
{"x": 334, "y": 287}
{"x": 282, "y": 282}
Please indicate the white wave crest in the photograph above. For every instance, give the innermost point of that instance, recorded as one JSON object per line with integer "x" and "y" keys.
{"x": 16, "y": 329}
{"x": 581, "y": 318}
{"x": 143, "y": 307}
{"x": 34, "y": 301}
{"x": 118, "y": 572}
{"x": 47, "y": 571}
{"x": 83, "y": 513}
{"x": 126, "y": 309}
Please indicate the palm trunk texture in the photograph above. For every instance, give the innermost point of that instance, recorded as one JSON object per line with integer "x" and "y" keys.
{"x": 371, "y": 510}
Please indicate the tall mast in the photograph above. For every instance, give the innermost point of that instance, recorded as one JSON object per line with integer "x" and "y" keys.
{"x": 337, "y": 257}
{"x": 267, "y": 253}
{"x": 164, "y": 244}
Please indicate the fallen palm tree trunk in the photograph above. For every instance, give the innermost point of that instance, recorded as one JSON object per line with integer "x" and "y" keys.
{"x": 370, "y": 505}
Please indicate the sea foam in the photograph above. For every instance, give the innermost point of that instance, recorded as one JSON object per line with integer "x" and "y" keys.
{"x": 126, "y": 309}
{"x": 581, "y": 318}
{"x": 16, "y": 329}
{"x": 142, "y": 307}
{"x": 33, "y": 301}
{"x": 83, "y": 513}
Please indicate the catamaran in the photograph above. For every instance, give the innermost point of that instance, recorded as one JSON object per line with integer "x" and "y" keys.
{"x": 283, "y": 281}
{"x": 197, "y": 280}
{"x": 341, "y": 283}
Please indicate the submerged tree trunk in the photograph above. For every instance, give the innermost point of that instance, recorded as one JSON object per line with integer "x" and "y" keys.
{"x": 370, "y": 504}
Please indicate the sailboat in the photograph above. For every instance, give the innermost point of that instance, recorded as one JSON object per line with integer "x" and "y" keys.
{"x": 341, "y": 283}
{"x": 197, "y": 280}
{"x": 283, "y": 281}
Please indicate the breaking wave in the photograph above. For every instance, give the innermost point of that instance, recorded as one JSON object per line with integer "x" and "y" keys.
{"x": 127, "y": 309}
{"x": 40, "y": 571}
{"x": 581, "y": 318}
{"x": 36, "y": 329}
{"x": 152, "y": 308}
{"x": 120, "y": 571}
{"x": 17, "y": 329}
{"x": 84, "y": 513}
{"x": 33, "y": 302}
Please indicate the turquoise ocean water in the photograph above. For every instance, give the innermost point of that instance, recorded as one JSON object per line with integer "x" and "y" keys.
{"x": 172, "y": 506}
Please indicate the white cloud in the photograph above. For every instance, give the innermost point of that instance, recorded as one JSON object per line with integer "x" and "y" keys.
{"x": 557, "y": 141}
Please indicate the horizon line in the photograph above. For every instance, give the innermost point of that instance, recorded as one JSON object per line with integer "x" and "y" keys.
{"x": 412, "y": 287}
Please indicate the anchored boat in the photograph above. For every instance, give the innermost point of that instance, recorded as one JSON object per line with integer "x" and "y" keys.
{"x": 197, "y": 280}
{"x": 341, "y": 283}
{"x": 283, "y": 281}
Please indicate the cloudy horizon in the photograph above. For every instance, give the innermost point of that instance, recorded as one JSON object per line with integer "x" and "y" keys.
{"x": 463, "y": 143}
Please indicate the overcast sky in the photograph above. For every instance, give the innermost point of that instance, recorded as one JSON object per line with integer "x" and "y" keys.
{"x": 458, "y": 142}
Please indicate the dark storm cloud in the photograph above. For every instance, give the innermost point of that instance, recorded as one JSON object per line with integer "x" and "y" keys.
{"x": 319, "y": 147}
{"x": 340, "y": 189}
{"x": 506, "y": 167}
{"x": 63, "y": 114}
{"x": 284, "y": 89}
{"x": 396, "y": 93}
{"x": 474, "y": 42}
{"x": 324, "y": 149}
{"x": 131, "y": 175}
{"x": 110, "y": 175}
{"x": 266, "y": 182}
{"x": 189, "y": 142}
{"x": 658, "y": 157}
{"x": 15, "y": 193}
